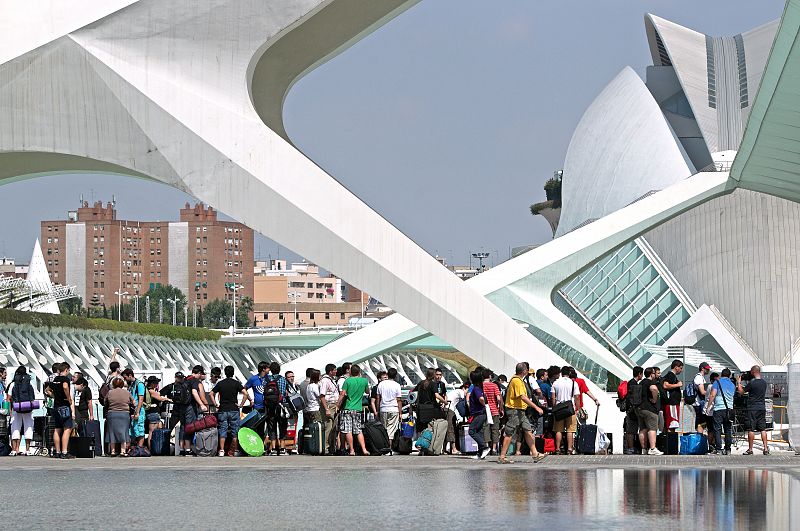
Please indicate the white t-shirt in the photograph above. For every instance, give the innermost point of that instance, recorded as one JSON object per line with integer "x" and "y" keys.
{"x": 389, "y": 391}
{"x": 699, "y": 383}
{"x": 312, "y": 397}
{"x": 565, "y": 388}
{"x": 329, "y": 389}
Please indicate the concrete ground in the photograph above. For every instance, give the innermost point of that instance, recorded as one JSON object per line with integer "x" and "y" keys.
{"x": 776, "y": 461}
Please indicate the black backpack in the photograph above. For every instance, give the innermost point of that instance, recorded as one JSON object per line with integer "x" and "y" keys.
{"x": 636, "y": 394}
{"x": 181, "y": 396}
{"x": 272, "y": 394}
{"x": 23, "y": 391}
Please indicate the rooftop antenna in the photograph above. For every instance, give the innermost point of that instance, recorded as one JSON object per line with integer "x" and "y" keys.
{"x": 113, "y": 200}
{"x": 80, "y": 202}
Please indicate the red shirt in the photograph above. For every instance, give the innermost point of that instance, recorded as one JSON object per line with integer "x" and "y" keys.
{"x": 492, "y": 393}
{"x": 582, "y": 388}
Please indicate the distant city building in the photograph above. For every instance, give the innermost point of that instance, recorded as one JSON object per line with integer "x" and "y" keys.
{"x": 280, "y": 288}
{"x": 9, "y": 268}
{"x": 101, "y": 255}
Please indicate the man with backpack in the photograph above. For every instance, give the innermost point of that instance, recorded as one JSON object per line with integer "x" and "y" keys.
{"x": 274, "y": 403}
{"x": 196, "y": 406}
{"x": 328, "y": 387}
{"x": 628, "y": 405}
{"x": 672, "y": 396}
{"x": 648, "y": 393}
{"x": 701, "y": 420}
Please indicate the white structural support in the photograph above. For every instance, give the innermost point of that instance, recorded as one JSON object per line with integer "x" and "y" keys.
{"x": 191, "y": 95}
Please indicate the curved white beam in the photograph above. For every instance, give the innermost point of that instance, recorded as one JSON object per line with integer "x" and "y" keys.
{"x": 166, "y": 90}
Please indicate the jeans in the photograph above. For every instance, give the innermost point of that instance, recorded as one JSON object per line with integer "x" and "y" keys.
{"x": 720, "y": 421}
{"x": 228, "y": 421}
{"x": 476, "y": 430}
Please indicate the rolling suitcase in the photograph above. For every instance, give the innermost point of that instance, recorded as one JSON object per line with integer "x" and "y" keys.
{"x": 376, "y": 439}
{"x": 82, "y": 447}
{"x": 159, "y": 444}
{"x": 586, "y": 438}
{"x": 314, "y": 439}
{"x": 256, "y": 421}
{"x": 206, "y": 442}
{"x": 466, "y": 443}
{"x": 91, "y": 428}
{"x": 668, "y": 442}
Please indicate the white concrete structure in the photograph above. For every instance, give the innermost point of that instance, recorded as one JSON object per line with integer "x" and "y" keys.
{"x": 191, "y": 95}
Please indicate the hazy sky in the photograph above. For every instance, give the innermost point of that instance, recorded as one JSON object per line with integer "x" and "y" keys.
{"x": 447, "y": 121}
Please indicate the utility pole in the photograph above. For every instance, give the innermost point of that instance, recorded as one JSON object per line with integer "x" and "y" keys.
{"x": 174, "y": 302}
{"x": 235, "y": 287}
{"x": 119, "y": 295}
{"x": 147, "y": 307}
{"x": 161, "y": 311}
{"x": 194, "y": 315}
{"x": 294, "y": 295}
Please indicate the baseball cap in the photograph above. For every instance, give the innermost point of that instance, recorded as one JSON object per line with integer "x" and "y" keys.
{"x": 705, "y": 365}
{"x": 179, "y": 374}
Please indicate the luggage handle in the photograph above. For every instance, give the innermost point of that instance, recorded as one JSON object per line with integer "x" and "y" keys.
{"x": 596, "y": 413}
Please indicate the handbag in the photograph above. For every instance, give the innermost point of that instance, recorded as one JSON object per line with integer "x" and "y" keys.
{"x": 489, "y": 419}
{"x": 283, "y": 411}
{"x": 730, "y": 416}
{"x": 65, "y": 413}
{"x": 564, "y": 410}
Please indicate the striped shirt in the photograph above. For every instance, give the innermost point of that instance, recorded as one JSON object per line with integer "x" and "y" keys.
{"x": 492, "y": 393}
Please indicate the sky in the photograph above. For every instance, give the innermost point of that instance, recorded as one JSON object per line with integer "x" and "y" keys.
{"x": 447, "y": 121}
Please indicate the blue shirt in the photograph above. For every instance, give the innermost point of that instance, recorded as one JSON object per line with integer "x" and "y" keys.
{"x": 546, "y": 388}
{"x": 475, "y": 406}
{"x": 727, "y": 389}
{"x": 256, "y": 383}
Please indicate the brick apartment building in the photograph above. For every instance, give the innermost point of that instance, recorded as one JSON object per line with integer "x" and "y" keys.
{"x": 100, "y": 254}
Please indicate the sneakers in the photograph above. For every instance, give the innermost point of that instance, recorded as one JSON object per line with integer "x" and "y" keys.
{"x": 655, "y": 451}
{"x": 221, "y": 453}
{"x": 67, "y": 456}
{"x": 484, "y": 453}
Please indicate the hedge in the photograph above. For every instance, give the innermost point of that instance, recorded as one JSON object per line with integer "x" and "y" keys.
{"x": 71, "y": 321}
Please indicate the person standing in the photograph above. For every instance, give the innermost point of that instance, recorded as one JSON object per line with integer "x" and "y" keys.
{"x": 699, "y": 382}
{"x": 721, "y": 395}
{"x": 390, "y": 402}
{"x": 517, "y": 403}
{"x": 197, "y": 405}
{"x": 119, "y": 404}
{"x": 493, "y": 397}
{"x": 274, "y": 401}
{"x": 21, "y": 390}
{"x": 83, "y": 401}
{"x": 227, "y": 396}
{"x": 648, "y": 413}
{"x": 137, "y": 391}
{"x": 564, "y": 390}
{"x": 316, "y": 406}
{"x": 477, "y": 410}
{"x": 632, "y": 402}
{"x": 350, "y": 424}
{"x": 756, "y": 390}
{"x": 329, "y": 389}
{"x": 63, "y": 412}
{"x": 256, "y": 383}
{"x": 672, "y": 389}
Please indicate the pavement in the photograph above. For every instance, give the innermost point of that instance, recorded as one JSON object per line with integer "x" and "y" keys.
{"x": 778, "y": 461}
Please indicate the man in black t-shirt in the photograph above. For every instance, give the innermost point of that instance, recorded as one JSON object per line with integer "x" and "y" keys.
{"x": 672, "y": 390}
{"x": 83, "y": 401}
{"x": 756, "y": 390}
{"x": 227, "y": 396}
{"x": 174, "y": 392}
{"x": 63, "y": 411}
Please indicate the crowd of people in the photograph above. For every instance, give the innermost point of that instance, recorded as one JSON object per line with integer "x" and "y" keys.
{"x": 535, "y": 412}
{"x": 652, "y": 403}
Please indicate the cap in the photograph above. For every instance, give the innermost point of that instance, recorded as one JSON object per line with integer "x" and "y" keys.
{"x": 179, "y": 374}
{"x": 705, "y": 365}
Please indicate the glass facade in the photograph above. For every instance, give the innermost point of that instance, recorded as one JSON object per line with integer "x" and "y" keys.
{"x": 626, "y": 301}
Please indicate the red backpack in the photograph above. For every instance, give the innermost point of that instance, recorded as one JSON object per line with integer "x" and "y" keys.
{"x": 622, "y": 390}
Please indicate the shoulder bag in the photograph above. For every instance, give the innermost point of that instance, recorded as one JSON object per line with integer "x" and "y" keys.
{"x": 566, "y": 409}
{"x": 729, "y": 413}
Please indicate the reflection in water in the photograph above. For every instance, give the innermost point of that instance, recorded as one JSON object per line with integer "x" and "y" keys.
{"x": 413, "y": 498}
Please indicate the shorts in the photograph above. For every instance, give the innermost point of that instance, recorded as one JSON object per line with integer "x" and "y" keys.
{"x": 228, "y": 421}
{"x": 701, "y": 420}
{"x": 648, "y": 420}
{"x": 350, "y": 422}
{"x": 153, "y": 418}
{"x": 756, "y": 420}
{"x": 516, "y": 418}
{"x": 276, "y": 425}
{"x": 63, "y": 422}
{"x": 491, "y": 432}
{"x": 631, "y": 422}
{"x": 569, "y": 424}
{"x": 672, "y": 416}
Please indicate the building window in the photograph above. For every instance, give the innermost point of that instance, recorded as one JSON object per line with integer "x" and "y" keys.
{"x": 266, "y": 316}
{"x": 311, "y": 315}
{"x": 341, "y": 316}
{"x": 280, "y": 317}
{"x": 310, "y": 296}
{"x": 205, "y": 295}
{"x": 327, "y": 316}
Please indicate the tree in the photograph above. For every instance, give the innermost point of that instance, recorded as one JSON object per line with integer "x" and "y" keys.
{"x": 217, "y": 314}
{"x": 243, "y": 310}
{"x": 73, "y": 306}
{"x": 166, "y": 293}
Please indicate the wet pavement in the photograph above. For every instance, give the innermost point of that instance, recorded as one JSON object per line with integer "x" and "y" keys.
{"x": 405, "y": 492}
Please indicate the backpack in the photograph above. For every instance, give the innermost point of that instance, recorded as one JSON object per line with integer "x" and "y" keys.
{"x": 689, "y": 393}
{"x": 103, "y": 393}
{"x": 180, "y": 394}
{"x": 461, "y": 408}
{"x": 22, "y": 391}
{"x": 636, "y": 394}
{"x": 425, "y": 440}
{"x": 272, "y": 394}
{"x": 622, "y": 390}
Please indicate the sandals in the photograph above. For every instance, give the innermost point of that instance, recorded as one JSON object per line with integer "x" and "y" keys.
{"x": 112, "y": 455}
{"x": 538, "y": 458}
{"x": 766, "y": 452}
{"x": 504, "y": 461}
{"x": 748, "y": 452}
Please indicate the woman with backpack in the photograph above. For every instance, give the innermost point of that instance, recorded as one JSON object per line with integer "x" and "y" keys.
{"x": 152, "y": 402}
{"x": 19, "y": 392}
{"x": 428, "y": 401}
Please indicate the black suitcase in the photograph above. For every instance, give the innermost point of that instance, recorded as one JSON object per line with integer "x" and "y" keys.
{"x": 375, "y": 438}
{"x": 82, "y": 447}
{"x": 586, "y": 438}
{"x": 159, "y": 443}
{"x": 402, "y": 445}
{"x": 314, "y": 439}
{"x": 91, "y": 428}
{"x": 668, "y": 442}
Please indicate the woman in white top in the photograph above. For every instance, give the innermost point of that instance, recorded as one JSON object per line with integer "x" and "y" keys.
{"x": 314, "y": 400}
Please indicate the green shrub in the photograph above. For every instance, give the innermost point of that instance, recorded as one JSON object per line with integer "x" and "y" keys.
{"x": 71, "y": 321}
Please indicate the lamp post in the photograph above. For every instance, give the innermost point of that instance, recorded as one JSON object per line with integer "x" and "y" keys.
{"x": 119, "y": 295}
{"x": 174, "y": 302}
{"x": 294, "y": 295}
{"x": 194, "y": 315}
{"x": 235, "y": 287}
{"x": 186, "y": 315}
{"x": 136, "y": 308}
{"x": 481, "y": 257}
{"x": 161, "y": 311}
{"x": 147, "y": 307}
